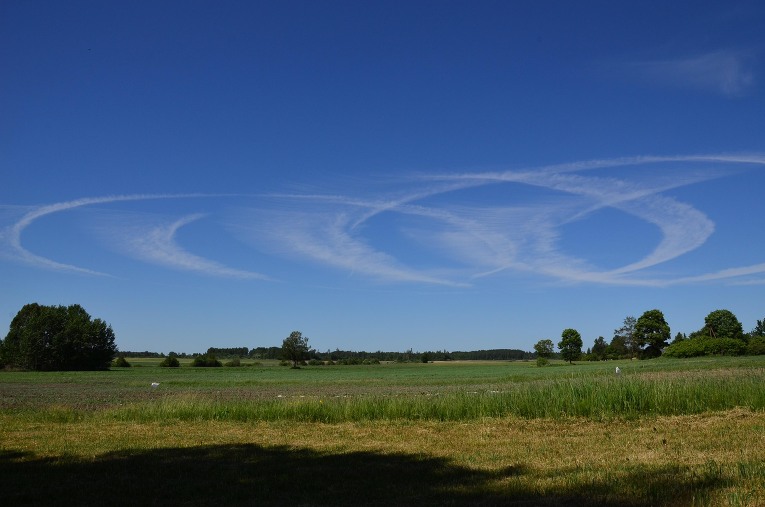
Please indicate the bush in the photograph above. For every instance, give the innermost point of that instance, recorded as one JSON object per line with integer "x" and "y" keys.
{"x": 756, "y": 346}
{"x": 542, "y": 361}
{"x": 315, "y": 362}
{"x": 234, "y": 363}
{"x": 170, "y": 362}
{"x": 121, "y": 362}
{"x": 206, "y": 361}
{"x": 706, "y": 346}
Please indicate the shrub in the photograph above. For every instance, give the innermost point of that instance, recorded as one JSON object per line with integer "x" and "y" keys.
{"x": 316, "y": 362}
{"x": 542, "y": 361}
{"x": 234, "y": 363}
{"x": 121, "y": 362}
{"x": 756, "y": 346}
{"x": 206, "y": 361}
{"x": 706, "y": 346}
{"x": 170, "y": 362}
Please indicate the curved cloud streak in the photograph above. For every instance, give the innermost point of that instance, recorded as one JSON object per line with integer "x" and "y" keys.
{"x": 445, "y": 229}
{"x": 157, "y": 245}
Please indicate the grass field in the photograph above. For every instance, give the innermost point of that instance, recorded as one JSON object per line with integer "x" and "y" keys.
{"x": 664, "y": 432}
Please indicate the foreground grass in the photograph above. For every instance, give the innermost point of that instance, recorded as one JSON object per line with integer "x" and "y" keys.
{"x": 509, "y": 461}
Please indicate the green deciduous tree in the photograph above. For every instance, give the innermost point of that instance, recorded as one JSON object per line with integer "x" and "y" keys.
{"x": 544, "y": 349}
{"x": 617, "y": 349}
{"x": 599, "y": 348}
{"x": 723, "y": 324}
{"x": 570, "y": 345}
{"x": 652, "y": 333}
{"x": 759, "y": 329}
{"x": 295, "y": 348}
{"x": 58, "y": 338}
{"x": 626, "y": 333}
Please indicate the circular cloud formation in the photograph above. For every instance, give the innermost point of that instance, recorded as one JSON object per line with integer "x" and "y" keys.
{"x": 447, "y": 229}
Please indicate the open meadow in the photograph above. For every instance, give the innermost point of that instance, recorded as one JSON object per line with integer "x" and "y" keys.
{"x": 663, "y": 432}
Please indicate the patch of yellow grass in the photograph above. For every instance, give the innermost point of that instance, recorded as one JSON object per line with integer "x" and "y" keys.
{"x": 539, "y": 454}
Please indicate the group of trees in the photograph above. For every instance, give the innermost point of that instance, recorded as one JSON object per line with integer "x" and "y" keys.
{"x": 722, "y": 334}
{"x": 57, "y": 338}
{"x": 649, "y": 335}
{"x": 644, "y": 337}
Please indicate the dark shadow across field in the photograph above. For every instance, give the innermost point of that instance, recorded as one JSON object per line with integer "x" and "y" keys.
{"x": 239, "y": 475}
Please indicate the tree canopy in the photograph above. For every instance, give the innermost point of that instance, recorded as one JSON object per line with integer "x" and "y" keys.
{"x": 652, "y": 333}
{"x": 57, "y": 338}
{"x": 599, "y": 349}
{"x": 625, "y": 335}
{"x": 544, "y": 348}
{"x": 570, "y": 345}
{"x": 295, "y": 348}
{"x": 723, "y": 324}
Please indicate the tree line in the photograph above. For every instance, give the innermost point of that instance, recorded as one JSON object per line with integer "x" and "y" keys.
{"x": 648, "y": 336}
{"x": 67, "y": 338}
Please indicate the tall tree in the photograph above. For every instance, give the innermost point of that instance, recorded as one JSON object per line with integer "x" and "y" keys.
{"x": 295, "y": 348}
{"x": 570, "y": 345}
{"x": 652, "y": 332}
{"x": 599, "y": 348}
{"x": 759, "y": 329}
{"x": 617, "y": 349}
{"x": 723, "y": 324}
{"x": 627, "y": 335}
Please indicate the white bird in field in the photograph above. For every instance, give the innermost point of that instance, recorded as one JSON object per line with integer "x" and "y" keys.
{"x": 618, "y": 371}
{"x": 154, "y": 384}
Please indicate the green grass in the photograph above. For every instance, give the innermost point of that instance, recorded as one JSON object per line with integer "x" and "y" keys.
{"x": 437, "y": 392}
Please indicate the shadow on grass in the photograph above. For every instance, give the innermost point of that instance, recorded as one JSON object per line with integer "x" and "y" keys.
{"x": 238, "y": 475}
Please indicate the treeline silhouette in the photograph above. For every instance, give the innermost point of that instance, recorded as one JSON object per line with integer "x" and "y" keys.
{"x": 360, "y": 355}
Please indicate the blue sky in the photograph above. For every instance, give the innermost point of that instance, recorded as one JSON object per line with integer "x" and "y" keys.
{"x": 381, "y": 175}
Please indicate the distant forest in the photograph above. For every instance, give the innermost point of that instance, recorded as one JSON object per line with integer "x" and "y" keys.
{"x": 338, "y": 355}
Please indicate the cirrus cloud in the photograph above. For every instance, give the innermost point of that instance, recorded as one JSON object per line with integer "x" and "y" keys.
{"x": 438, "y": 229}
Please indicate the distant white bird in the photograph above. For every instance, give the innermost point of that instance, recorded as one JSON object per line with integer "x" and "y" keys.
{"x": 155, "y": 384}
{"x": 618, "y": 371}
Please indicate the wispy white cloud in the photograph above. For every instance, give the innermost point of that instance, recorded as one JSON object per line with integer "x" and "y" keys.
{"x": 327, "y": 236}
{"x": 727, "y": 72}
{"x": 444, "y": 229}
{"x": 157, "y": 245}
{"x": 523, "y": 238}
{"x": 11, "y": 236}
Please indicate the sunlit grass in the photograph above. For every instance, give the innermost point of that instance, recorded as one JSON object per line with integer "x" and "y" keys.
{"x": 676, "y": 460}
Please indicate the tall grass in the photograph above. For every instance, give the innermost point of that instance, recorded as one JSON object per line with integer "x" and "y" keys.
{"x": 595, "y": 398}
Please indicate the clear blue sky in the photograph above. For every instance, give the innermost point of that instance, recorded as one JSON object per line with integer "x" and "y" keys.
{"x": 381, "y": 175}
